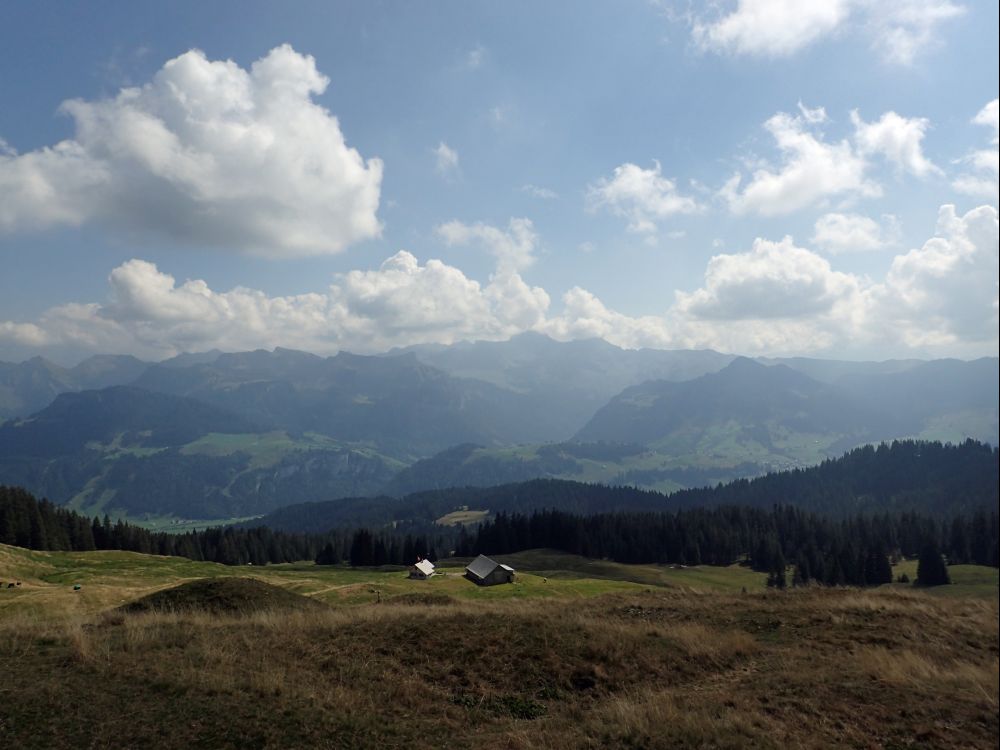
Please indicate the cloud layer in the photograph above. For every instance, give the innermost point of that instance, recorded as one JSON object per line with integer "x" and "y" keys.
{"x": 208, "y": 154}
{"x": 775, "y": 298}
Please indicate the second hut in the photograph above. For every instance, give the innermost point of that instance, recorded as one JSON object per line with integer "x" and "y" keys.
{"x": 486, "y": 572}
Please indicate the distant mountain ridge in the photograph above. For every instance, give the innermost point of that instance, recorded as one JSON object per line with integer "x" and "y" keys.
{"x": 26, "y": 387}
{"x": 772, "y": 412}
{"x": 250, "y": 431}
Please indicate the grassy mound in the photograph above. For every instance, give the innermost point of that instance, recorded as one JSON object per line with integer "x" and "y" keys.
{"x": 223, "y": 596}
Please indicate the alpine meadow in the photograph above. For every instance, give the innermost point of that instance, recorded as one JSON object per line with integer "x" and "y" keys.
{"x": 528, "y": 375}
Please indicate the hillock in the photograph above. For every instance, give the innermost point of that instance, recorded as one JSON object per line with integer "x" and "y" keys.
{"x": 240, "y": 596}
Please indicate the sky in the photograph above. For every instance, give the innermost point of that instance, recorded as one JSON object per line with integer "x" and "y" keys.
{"x": 761, "y": 177}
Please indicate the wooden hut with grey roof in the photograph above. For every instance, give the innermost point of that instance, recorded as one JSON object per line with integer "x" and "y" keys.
{"x": 484, "y": 571}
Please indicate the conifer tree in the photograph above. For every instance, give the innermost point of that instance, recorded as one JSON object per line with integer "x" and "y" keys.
{"x": 931, "y": 570}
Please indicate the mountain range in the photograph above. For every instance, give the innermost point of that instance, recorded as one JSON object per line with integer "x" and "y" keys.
{"x": 221, "y": 435}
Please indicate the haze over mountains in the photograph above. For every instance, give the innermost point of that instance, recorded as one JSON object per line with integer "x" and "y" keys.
{"x": 217, "y": 435}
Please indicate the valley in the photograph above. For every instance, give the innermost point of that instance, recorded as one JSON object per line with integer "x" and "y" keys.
{"x": 223, "y": 436}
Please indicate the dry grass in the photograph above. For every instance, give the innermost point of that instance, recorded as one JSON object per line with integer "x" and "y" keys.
{"x": 653, "y": 669}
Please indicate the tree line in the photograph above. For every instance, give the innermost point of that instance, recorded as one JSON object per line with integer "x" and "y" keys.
{"x": 931, "y": 478}
{"x": 850, "y": 551}
{"x": 855, "y": 551}
{"x": 39, "y": 524}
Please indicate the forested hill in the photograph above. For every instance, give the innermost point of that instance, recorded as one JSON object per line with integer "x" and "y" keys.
{"x": 939, "y": 480}
{"x": 904, "y": 475}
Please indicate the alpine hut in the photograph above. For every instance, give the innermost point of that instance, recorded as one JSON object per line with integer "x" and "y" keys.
{"x": 422, "y": 570}
{"x": 486, "y": 572}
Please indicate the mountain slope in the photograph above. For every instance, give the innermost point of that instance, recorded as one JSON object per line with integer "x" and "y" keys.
{"x": 128, "y": 450}
{"x": 130, "y": 415}
{"x": 746, "y": 412}
{"x": 398, "y": 403}
{"x": 565, "y": 382}
{"x": 26, "y": 387}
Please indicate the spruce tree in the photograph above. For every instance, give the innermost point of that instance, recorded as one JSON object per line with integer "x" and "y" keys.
{"x": 931, "y": 570}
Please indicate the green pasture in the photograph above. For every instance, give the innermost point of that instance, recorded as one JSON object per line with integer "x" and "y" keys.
{"x": 110, "y": 578}
{"x": 966, "y": 580}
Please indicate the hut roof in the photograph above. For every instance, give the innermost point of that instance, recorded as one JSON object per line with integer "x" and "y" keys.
{"x": 425, "y": 566}
{"x": 482, "y": 566}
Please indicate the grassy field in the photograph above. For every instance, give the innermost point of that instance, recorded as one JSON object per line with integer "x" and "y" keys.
{"x": 577, "y": 654}
{"x": 111, "y": 578}
{"x": 966, "y": 580}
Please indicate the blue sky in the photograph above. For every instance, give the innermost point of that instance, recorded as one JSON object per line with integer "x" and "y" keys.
{"x": 762, "y": 177}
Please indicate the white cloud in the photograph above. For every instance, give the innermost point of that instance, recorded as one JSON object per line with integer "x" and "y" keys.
{"x": 898, "y": 139}
{"x": 642, "y": 196}
{"x": 402, "y": 302}
{"x": 773, "y": 280}
{"x": 446, "y": 160}
{"x": 206, "y": 153}
{"x": 584, "y": 316}
{"x": 852, "y": 233}
{"x": 514, "y": 248}
{"x": 903, "y": 29}
{"x": 778, "y": 298}
{"x": 811, "y": 172}
{"x": 775, "y": 298}
{"x": 989, "y": 116}
{"x": 770, "y": 28}
{"x": 986, "y": 162}
{"x": 899, "y": 30}
{"x": 945, "y": 292}
{"x": 539, "y": 192}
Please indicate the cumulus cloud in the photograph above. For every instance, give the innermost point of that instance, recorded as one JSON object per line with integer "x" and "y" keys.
{"x": 945, "y": 292}
{"x": 853, "y": 233}
{"x": 446, "y": 160}
{"x": 514, "y": 248}
{"x": 898, "y": 139}
{"x": 898, "y": 30}
{"x": 584, "y": 316}
{"x": 209, "y": 154}
{"x": 773, "y": 280}
{"x": 983, "y": 181}
{"x": 770, "y": 28}
{"x": 812, "y": 170}
{"x": 774, "y": 298}
{"x": 402, "y": 302}
{"x": 644, "y": 197}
